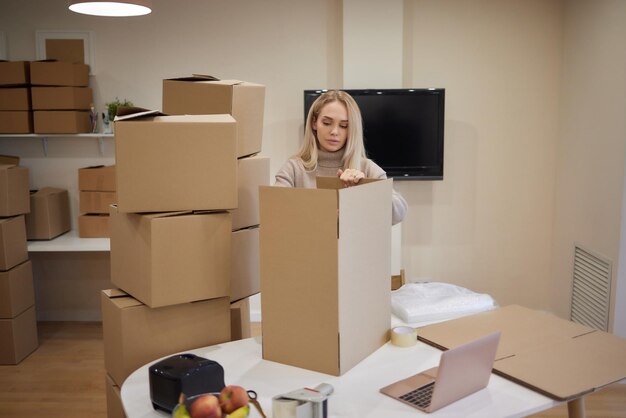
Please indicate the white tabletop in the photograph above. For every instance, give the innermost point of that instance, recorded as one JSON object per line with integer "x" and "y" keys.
{"x": 356, "y": 392}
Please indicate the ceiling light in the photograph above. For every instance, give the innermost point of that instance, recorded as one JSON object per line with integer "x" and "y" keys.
{"x": 111, "y": 8}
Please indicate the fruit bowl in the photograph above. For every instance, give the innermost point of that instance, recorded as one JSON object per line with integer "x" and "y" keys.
{"x": 210, "y": 408}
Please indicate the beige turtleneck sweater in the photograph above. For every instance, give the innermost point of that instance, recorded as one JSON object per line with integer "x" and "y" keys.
{"x": 293, "y": 174}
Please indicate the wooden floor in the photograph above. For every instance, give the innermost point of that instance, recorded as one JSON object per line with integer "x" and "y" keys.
{"x": 64, "y": 378}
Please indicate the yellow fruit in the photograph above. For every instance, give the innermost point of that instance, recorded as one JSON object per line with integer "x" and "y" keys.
{"x": 242, "y": 412}
{"x": 181, "y": 411}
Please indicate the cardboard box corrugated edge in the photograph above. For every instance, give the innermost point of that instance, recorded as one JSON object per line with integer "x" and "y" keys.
{"x": 135, "y": 334}
{"x": 534, "y": 341}
{"x": 316, "y": 210}
{"x": 143, "y": 262}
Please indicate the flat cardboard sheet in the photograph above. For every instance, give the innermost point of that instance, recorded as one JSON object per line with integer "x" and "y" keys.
{"x": 553, "y": 356}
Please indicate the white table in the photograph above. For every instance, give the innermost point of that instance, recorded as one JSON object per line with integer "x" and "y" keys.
{"x": 356, "y": 392}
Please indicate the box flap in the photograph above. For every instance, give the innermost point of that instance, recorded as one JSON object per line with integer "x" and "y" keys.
{"x": 218, "y": 118}
{"x": 126, "y": 113}
{"x": 571, "y": 367}
{"x": 196, "y": 77}
{"x": 334, "y": 183}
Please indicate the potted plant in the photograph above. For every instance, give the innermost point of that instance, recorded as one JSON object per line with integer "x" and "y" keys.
{"x": 112, "y": 107}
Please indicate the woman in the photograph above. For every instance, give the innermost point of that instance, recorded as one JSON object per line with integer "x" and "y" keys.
{"x": 333, "y": 146}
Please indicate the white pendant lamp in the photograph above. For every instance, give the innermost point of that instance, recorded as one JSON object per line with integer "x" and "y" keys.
{"x": 117, "y": 8}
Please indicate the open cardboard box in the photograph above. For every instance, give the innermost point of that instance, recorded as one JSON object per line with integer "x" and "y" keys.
{"x": 325, "y": 268}
{"x": 558, "y": 358}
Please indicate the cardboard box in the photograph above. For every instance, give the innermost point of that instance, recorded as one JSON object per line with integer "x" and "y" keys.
{"x": 555, "y": 357}
{"x": 115, "y": 409}
{"x": 325, "y": 268}
{"x": 240, "y": 320}
{"x": 170, "y": 258}
{"x": 16, "y": 122}
{"x": 14, "y": 192}
{"x": 16, "y": 290}
{"x": 201, "y": 96}
{"x": 252, "y": 172}
{"x": 14, "y": 73}
{"x": 246, "y": 272}
{"x": 96, "y": 202}
{"x": 62, "y": 98}
{"x": 94, "y": 226}
{"x": 68, "y": 50}
{"x": 135, "y": 334}
{"x": 49, "y": 214}
{"x": 15, "y": 98}
{"x": 171, "y": 163}
{"x": 61, "y": 122}
{"x": 59, "y": 73}
{"x": 13, "y": 247}
{"x": 18, "y": 337}
{"x": 98, "y": 178}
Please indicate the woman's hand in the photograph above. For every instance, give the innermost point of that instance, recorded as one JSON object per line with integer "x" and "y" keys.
{"x": 350, "y": 177}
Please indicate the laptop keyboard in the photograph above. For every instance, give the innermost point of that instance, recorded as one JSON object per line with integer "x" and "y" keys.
{"x": 420, "y": 397}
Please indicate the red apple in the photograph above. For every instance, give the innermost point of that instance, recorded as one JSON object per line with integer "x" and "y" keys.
{"x": 205, "y": 406}
{"x": 233, "y": 397}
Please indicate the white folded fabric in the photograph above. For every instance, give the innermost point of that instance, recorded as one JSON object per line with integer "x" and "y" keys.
{"x": 434, "y": 301}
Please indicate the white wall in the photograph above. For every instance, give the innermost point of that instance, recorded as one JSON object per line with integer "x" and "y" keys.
{"x": 488, "y": 225}
{"x": 592, "y": 148}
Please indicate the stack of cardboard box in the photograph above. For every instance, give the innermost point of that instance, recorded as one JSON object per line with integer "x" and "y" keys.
{"x": 172, "y": 232}
{"x": 96, "y": 186}
{"x": 16, "y": 116}
{"x": 18, "y": 322}
{"x": 61, "y": 97}
{"x": 198, "y": 95}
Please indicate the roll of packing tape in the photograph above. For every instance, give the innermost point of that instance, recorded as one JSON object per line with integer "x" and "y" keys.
{"x": 403, "y": 336}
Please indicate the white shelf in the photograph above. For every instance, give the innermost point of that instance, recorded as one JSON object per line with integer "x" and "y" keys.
{"x": 45, "y": 137}
{"x": 70, "y": 242}
{"x": 95, "y": 135}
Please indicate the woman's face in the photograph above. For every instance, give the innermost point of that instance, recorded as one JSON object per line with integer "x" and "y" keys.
{"x": 331, "y": 126}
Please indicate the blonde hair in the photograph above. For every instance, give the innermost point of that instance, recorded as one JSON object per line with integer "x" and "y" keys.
{"x": 354, "y": 153}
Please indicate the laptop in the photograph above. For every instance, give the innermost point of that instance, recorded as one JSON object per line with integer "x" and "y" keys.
{"x": 462, "y": 371}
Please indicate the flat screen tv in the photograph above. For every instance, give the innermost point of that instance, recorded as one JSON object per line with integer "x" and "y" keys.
{"x": 402, "y": 129}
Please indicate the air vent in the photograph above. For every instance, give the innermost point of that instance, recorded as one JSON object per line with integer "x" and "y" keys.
{"x": 591, "y": 289}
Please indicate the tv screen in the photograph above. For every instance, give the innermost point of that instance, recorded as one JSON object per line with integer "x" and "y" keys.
{"x": 402, "y": 129}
